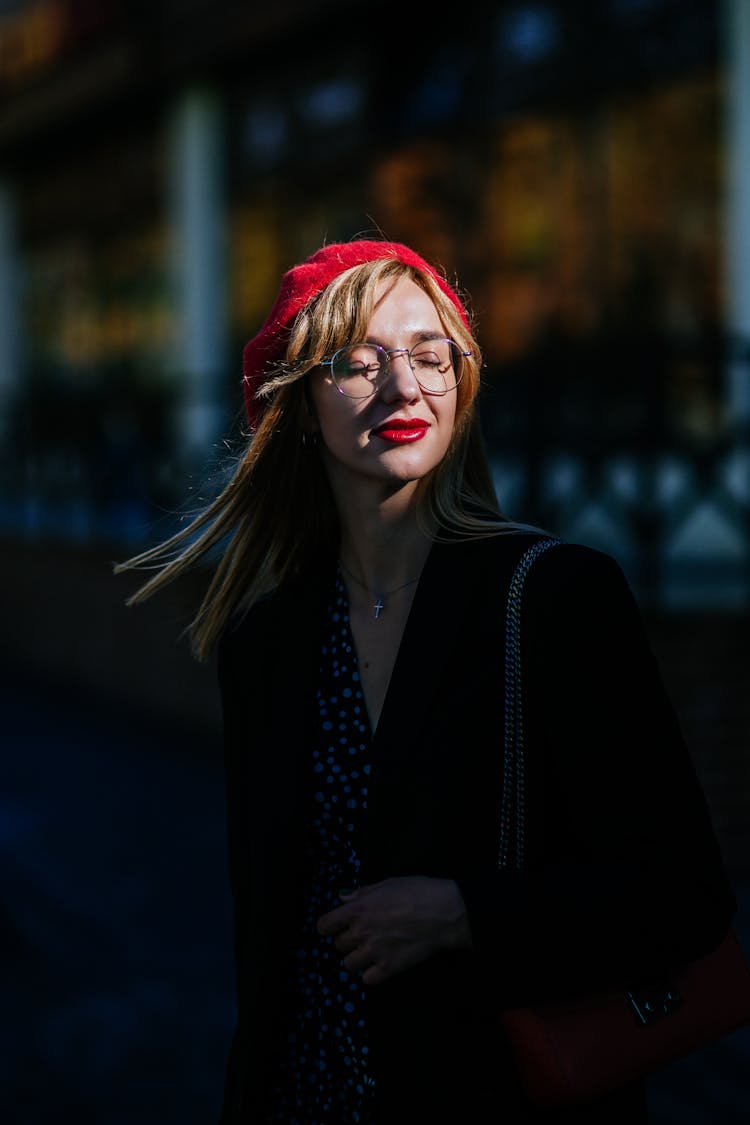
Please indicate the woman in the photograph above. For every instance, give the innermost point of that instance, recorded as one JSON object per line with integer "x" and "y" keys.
{"x": 359, "y": 615}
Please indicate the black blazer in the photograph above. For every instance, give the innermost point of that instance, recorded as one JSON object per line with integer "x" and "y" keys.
{"x": 623, "y": 877}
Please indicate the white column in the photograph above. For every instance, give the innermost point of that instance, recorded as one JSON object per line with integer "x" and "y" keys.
{"x": 10, "y": 333}
{"x": 198, "y": 218}
{"x": 736, "y": 56}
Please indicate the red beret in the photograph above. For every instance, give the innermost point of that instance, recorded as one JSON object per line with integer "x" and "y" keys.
{"x": 299, "y": 285}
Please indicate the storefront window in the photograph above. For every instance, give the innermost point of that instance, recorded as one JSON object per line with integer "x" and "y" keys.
{"x": 97, "y": 403}
{"x": 601, "y": 306}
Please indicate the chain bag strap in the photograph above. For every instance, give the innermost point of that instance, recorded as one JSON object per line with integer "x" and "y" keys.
{"x": 513, "y": 808}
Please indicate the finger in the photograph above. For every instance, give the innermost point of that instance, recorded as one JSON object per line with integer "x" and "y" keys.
{"x": 345, "y": 942}
{"x": 357, "y": 961}
{"x": 376, "y": 973}
{"x": 334, "y": 921}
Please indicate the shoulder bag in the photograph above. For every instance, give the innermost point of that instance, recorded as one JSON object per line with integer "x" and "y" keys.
{"x": 575, "y": 1051}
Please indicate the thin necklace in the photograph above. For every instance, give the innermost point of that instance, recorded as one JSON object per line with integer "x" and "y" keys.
{"x": 379, "y": 604}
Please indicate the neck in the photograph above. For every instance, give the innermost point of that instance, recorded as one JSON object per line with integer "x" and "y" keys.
{"x": 383, "y": 546}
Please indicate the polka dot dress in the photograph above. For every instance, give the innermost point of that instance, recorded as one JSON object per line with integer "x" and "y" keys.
{"x": 324, "y": 1078}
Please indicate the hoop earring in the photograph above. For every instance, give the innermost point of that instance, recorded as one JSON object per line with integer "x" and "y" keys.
{"x": 311, "y": 441}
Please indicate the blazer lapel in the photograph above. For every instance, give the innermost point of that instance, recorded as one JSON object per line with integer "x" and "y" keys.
{"x": 438, "y": 615}
{"x": 439, "y": 738}
{"x": 293, "y": 651}
{"x": 282, "y": 732}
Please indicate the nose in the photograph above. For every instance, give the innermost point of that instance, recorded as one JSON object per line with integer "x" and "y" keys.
{"x": 400, "y": 380}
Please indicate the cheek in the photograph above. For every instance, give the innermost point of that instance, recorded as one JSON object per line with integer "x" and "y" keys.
{"x": 326, "y": 406}
{"x": 339, "y": 422}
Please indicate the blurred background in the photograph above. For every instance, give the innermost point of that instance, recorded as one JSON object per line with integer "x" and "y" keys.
{"x": 583, "y": 170}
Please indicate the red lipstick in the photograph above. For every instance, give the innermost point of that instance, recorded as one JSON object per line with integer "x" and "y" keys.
{"x": 400, "y": 431}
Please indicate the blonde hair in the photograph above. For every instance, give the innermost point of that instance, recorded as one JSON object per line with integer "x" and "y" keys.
{"x": 277, "y": 511}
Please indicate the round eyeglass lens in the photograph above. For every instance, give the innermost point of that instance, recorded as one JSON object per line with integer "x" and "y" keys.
{"x": 359, "y": 369}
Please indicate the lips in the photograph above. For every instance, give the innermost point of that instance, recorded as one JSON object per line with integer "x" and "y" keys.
{"x": 402, "y": 430}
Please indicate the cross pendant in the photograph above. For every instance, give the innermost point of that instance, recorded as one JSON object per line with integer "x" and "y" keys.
{"x": 378, "y": 607}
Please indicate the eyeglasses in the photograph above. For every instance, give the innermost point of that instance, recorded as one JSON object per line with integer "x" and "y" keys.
{"x": 359, "y": 370}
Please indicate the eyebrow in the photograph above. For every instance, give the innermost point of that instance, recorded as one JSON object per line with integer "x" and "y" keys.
{"x": 421, "y": 336}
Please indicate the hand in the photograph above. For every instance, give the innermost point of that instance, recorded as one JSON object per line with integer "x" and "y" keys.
{"x": 387, "y": 927}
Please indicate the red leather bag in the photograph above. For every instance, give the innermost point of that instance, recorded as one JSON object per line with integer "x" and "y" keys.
{"x": 575, "y": 1051}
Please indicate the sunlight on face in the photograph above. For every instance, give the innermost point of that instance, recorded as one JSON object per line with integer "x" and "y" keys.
{"x": 399, "y": 434}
